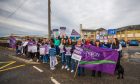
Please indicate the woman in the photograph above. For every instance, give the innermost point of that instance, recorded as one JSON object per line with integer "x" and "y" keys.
{"x": 97, "y": 44}
{"x": 81, "y": 70}
{"x": 38, "y": 46}
{"x": 117, "y": 46}
{"x": 62, "y": 53}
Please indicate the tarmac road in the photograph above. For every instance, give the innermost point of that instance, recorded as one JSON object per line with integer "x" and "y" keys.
{"x": 41, "y": 73}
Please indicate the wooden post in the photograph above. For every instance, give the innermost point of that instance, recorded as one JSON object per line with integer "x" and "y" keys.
{"x": 49, "y": 19}
{"x": 76, "y": 70}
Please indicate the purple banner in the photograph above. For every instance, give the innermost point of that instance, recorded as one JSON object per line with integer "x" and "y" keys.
{"x": 99, "y": 59}
{"x": 12, "y": 42}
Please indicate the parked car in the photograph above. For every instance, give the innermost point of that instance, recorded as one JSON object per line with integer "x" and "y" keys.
{"x": 134, "y": 43}
{"x": 123, "y": 43}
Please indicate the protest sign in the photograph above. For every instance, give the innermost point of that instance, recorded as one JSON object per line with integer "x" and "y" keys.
{"x": 63, "y": 32}
{"x": 42, "y": 51}
{"x": 25, "y": 43}
{"x": 77, "y": 53}
{"x": 55, "y": 32}
{"x": 29, "y": 48}
{"x": 34, "y": 48}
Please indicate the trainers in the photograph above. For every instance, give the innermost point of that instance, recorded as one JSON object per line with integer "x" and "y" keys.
{"x": 44, "y": 62}
{"x": 37, "y": 60}
{"x": 72, "y": 71}
{"x": 62, "y": 67}
{"x": 52, "y": 68}
{"x": 31, "y": 60}
{"x": 66, "y": 67}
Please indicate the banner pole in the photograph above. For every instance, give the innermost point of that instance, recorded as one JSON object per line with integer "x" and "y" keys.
{"x": 76, "y": 69}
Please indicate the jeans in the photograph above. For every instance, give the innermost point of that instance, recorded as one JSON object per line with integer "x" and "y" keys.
{"x": 63, "y": 58}
{"x": 46, "y": 58}
{"x": 98, "y": 73}
{"x": 18, "y": 51}
{"x": 73, "y": 64}
{"x": 68, "y": 60}
{"x": 32, "y": 55}
{"x": 52, "y": 62}
{"x": 81, "y": 71}
{"x": 41, "y": 57}
{"x": 57, "y": 50}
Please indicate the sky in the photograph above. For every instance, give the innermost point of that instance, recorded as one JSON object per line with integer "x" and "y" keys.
{"x": 30, "y": 17}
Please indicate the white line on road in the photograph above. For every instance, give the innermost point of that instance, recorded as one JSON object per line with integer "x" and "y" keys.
{"x": 38, "y": 69}
{"x": 54, "y": 81}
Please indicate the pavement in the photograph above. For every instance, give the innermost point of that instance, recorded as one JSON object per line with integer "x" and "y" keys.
{"x": 17, "y": 71}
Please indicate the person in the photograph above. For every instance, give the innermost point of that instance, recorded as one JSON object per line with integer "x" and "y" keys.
{"x": 88, "y": 42}
{"x": 62, "y": 53}
{"x": 38, "y": 50}
{"x": 69, "y": 41}
{"x": 41, "y": 53}
{"x": 52, "y": 53}
{"x": 31, "y": 53}
{"x": 57, "y": 43}
{"x": 73, "y": 61}
{"x": 46, "y": 56}
{"x": 63, "y": 40}
{"x": 34, "y": 51}
{"x": 97, "y": 44}
{"x": 108, "y": 44}
{"x": 117, "y": 46}
{"x": 68, "y": 55}
{"x": 81, "y": 70}
{"x": 18, "y": 47}
{"x": 25, "y": 48}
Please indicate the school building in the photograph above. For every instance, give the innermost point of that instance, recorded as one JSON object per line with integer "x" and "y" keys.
{"x": 129, "y": 33}
{"x": 125, "y": 33}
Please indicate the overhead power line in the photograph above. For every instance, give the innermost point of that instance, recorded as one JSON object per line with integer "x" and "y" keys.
{"x": 19, "y": 7}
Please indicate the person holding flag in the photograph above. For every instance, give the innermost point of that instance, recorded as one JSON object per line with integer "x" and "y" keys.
{"x": 97, "y": 44}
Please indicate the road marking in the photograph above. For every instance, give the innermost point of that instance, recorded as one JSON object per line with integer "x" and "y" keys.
{"x": 137, "y": 53}
{"x": 24, "y": 60}
{"x": 12, "y": 68}
{"x": 38, "y": 69}
{"x": 54, "y": 81}
{"x": 7, "y": 62}
{"x": 10, "y": 63}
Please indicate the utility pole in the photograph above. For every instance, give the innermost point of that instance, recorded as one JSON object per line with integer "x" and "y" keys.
{"x": 49, "y": 19}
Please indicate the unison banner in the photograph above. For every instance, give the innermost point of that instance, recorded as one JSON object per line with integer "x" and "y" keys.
{"x": 99, "y": 59}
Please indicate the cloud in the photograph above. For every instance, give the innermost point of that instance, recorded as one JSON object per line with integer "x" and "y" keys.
{"x": 33, "y": 15}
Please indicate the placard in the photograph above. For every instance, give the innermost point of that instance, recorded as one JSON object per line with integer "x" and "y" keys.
{"x": 34, "y": 48}
{"x": 25, "y": 43}
{"x": 29, "y": 48}
{"x": 76, "y": 57}
{"x": 77, "y": 53}
{"x": 42, "y": 51}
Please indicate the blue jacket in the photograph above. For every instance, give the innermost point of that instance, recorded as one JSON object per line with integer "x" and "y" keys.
{"x": 52, "y": 52}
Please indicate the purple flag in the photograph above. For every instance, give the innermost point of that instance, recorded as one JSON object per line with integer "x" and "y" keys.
{"x": 99, "y": 59}
{"x": 12, "y": 42}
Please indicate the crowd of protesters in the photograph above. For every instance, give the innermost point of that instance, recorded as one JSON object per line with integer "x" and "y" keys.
{"x": 62, "y": 47}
